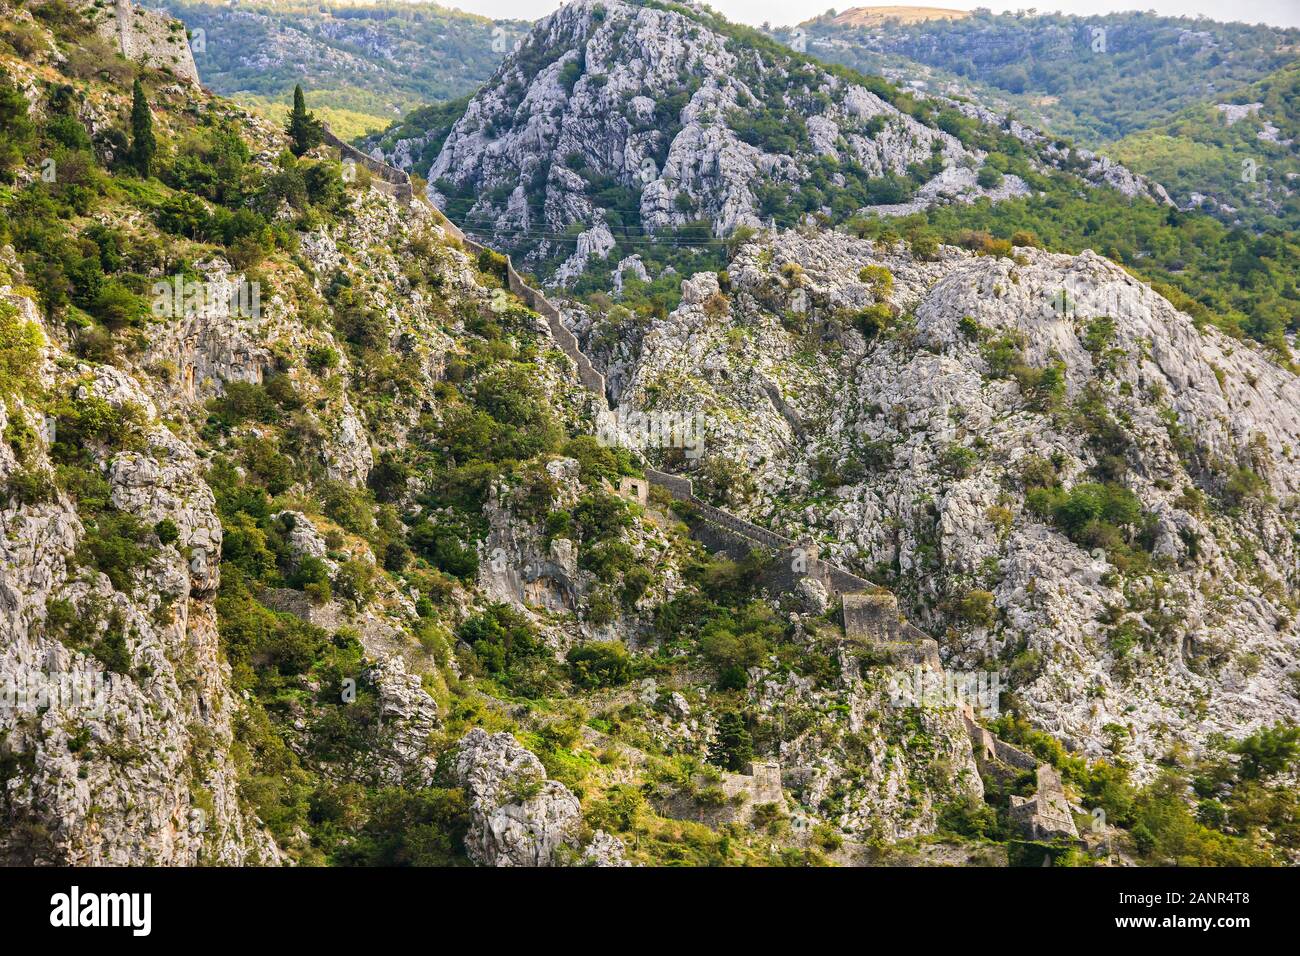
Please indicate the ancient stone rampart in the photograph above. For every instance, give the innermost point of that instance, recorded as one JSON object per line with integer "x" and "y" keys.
{"x": 590, "y": 378}
{"x": 391, "y": 180}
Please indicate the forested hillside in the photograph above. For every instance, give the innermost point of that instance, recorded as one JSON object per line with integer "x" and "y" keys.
{"x": 367, "y": 64}
{"x": 1237, "y": 158}
{"x": 1094, "y": 79}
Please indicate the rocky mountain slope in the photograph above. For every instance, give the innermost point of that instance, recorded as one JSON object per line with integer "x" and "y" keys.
{"x": 617, "y": 120}
{"x": 311, "y": 501}
{"x": 300, "y": 504}
{"x": 1065, "y": 476}
{"x": 205, "y": 621}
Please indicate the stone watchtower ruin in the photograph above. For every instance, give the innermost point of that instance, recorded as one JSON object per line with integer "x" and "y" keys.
{"x": 1046, "y": 815}
{"x": 873, "y": 618}
{"x": 146, "y": 37}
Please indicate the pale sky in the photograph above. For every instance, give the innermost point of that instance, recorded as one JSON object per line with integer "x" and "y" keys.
{"x": 1284, "y": 13}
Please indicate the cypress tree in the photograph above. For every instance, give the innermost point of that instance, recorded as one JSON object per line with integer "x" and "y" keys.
{"x": 733, "y": 747}
{"x": 303, "y": 129}
{"x": 143, "y": 143}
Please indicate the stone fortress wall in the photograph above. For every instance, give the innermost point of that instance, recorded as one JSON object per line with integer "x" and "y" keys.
{"x": 395, "y": 182}
{"x": 870, "y": 613}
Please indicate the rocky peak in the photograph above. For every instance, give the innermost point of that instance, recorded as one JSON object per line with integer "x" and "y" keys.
{"x": 619, "y": 117}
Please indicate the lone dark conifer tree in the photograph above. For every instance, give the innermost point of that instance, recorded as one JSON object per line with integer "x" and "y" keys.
{"x": 303, "y": 129}
{"x": 143, "y": 143}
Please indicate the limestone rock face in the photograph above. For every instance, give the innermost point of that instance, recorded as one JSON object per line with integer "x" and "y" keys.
{"x": 304, "y": 540}
{"x": 117, "y": 749}
{"x": 520, "y": 566}
{"x": 604, "y": 850}
{"x": 517, "y": 816}
{"x": 407, "y": 716}
{"x": 927, "y": 442}
{"x": 116, "y": 708}
{"x": 613, "y": 119}
{"x": 629, "y": 265}
{"x": 596, "y": 242}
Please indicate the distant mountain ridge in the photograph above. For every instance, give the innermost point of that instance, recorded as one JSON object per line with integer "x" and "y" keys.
{"x": 874, "y": 16}
{"x": 365, "y": 64}
{"x": 1094, "y": 79}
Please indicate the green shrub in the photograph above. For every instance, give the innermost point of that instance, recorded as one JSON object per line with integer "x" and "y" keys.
{"x": 20, "y": 344}
{"x": 968, "y": 816}
{"x": 879, "y": 279}
{"x": 441, "y": 546}
{"x": 492, "y": 262}
{"x": 115, "y": 545}
{"x": 958, "y": 461}
{"x": 873, "y": 320}
{"x": 599, "y": 664}
{"x": 508, "y": 648}
{"x": 977, "y": 608}
{"x": 356, "y": 581}
{"x": 1268, "y": 752}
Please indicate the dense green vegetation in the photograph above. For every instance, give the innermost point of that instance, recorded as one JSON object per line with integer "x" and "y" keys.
{"x": 1230, "y": 163}
{"x": 1055, "y": 71}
